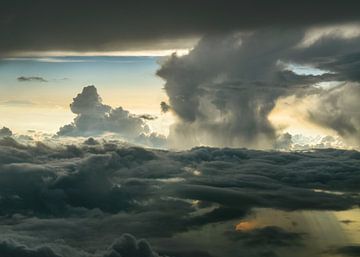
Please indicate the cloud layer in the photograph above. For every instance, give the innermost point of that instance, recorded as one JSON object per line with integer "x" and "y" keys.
{"x": 75, "y": 200}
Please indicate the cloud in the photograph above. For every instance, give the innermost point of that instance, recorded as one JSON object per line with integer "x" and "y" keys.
{"x": 189, "y": 253}
{"x": 17, "y": 103}
{"x": 91, "y": 141}
{"x": 164, "y": 107}
{"x": 224, "y": 97}
{"x": 5, "y": 132}
{"x": 349, "y": 250}
{"x": 31, "y": 79}
{"x": 336, "y": 109}
{"x": 95, "y": 118}
{"x": 147, "y": 117}
{"x": 89, "y": 193}
{"x": 13, "y": 249}
{"x": 284, "y": 142}
{"x": 231, "y": 89}
{"x": 128, "y": 246}
{"x": 122, "y": 27}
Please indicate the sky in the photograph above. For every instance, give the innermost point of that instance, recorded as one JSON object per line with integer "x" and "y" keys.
{"x": 30, "y": 104}
{"x": 208, "y": 128}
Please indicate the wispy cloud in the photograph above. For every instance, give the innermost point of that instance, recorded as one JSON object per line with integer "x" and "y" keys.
{"x": 31, "y": 79}
{"x": 17, "y": 103}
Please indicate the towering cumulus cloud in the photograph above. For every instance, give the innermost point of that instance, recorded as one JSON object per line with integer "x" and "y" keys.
{"x": 96, "y": 118}
{"x": 224, "y": 90}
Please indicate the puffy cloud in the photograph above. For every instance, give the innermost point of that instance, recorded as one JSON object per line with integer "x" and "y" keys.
{"x": 128, "y": 246}
{"x": 91, "y": 141}
{"x": 88, "y": 102}
{"x": 31, "y": 79}
{"x": 5, "y": 132}
{"x": 224, "y": 97}
{"x": 284, "y": 142}
{"x": 95, "y": 118}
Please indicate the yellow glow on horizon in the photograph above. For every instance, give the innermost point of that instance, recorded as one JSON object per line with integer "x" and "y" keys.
{"x": 20, "y": 119}
{"x": 290, "y": 115}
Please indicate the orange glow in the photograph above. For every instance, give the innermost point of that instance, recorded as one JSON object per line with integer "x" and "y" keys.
{"x": 245, "y": 226}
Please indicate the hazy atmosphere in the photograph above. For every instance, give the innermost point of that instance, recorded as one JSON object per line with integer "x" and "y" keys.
{"x": 179, "y": 128}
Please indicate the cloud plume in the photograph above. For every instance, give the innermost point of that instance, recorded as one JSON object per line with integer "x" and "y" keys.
{"x": 224, "y": 97}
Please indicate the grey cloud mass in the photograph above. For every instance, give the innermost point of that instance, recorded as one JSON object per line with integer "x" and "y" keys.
{"x": 113, "y": 25}
{"x": 75, "y": 200}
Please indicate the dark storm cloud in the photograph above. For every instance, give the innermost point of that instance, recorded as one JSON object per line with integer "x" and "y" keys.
{"x": 224, "y": 97}
{"x": 78, "y": 192}
{"x": 31, "y": 79}
{"x": 114, "y": 25}
{"x": 96, "y": 118}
